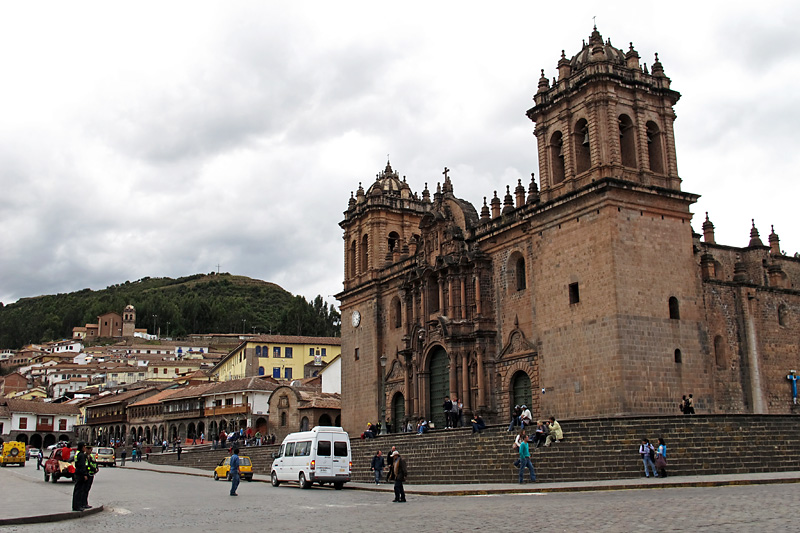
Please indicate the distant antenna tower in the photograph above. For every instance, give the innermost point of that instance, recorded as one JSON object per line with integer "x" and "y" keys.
{"x": 218, "y": 269}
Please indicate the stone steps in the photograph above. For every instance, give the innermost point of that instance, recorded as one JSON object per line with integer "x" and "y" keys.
{"x": 593, "y": 449}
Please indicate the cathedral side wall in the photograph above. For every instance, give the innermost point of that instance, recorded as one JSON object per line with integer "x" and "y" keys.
{"x": 360, "y": 376}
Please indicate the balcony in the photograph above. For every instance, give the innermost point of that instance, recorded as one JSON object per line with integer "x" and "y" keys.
{"x": 188, "y": 413}
{"x": 227, "y": 410}
{"x": 44, "y": 427}
{"x": 107, "y": 419}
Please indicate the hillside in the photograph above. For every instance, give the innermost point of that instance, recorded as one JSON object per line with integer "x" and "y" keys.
{"x": 202, "y": 303}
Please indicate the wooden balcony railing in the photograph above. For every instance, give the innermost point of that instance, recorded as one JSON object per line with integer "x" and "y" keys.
{"x": 227, "y": 410}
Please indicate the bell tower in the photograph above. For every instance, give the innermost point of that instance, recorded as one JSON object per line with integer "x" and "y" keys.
{"x": 128, "y": 321}
{"x": 605, "y": 116}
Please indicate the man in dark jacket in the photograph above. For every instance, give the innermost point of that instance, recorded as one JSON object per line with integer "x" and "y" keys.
{"x": 377, "y": 466}
{"x": 81, "y": 477}
{"x": 400, "y": 472}
{"x": 447, "y": 407}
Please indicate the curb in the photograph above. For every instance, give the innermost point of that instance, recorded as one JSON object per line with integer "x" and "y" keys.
{"x": 55, "y": 517}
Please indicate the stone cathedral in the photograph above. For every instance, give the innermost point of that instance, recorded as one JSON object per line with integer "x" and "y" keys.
{"x": 588, "y": 295}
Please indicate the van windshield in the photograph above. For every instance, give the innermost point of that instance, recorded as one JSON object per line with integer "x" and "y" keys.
{"x": 340, "y": 449}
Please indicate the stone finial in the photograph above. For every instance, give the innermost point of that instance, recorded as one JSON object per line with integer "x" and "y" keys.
{"x": 740, "y": 270}
{"x": 360, "y": 196}
{"x": 485, "y": 211}
{"x": 519, "y": 194}
{"x": 708, "y": 231}
{"x": 544, "y": 83}
{"x": 533, "y": 191}
{"x": 774, "y": 242}
{"x": 426, "y": 194}
{"x": 352, "y": 202}
{"x": 755, "y": 240}
{"x": 658, "y": 69}
{"x": 508, "y": 201}
{"x": 632, "y": 58}
{"x": 495, "y": 206}
{"x": 564, "y": 68}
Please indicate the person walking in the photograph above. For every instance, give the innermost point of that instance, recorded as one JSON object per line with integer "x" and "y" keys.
{"x": 81, "y": 476}
{"x": 648, "y": 453}
{"x": 39, "y": 457}
{"x": 179, "y": 451}
{"x": 525, "y": 459}
{"x": 124, "y": 453}
{"x": 661, "y": 458}
{"x": 377, "y": 466}
{"x": 234, "y": 473}
{"x": 400, "y": 472}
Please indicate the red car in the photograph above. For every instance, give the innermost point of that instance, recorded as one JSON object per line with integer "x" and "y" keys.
{"x": 60, "y": 464}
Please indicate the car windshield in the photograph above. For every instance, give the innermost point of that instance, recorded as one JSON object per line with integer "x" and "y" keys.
{"x": 244, "y": 461}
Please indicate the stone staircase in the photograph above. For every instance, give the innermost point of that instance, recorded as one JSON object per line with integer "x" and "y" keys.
{"x": 593, "y": 449}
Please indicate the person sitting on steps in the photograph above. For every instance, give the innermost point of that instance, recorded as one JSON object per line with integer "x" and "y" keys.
{"x": 555, "y": 432}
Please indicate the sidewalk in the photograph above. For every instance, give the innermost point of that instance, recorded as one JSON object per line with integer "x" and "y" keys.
{"x": 720, "y": 480}
{"x": 36, "y": 502}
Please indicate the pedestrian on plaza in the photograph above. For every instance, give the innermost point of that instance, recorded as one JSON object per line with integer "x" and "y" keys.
{"x": 400, "y": 471}
{"x": 648, "y": 454}
{"x": 91, "y": 470}
{"x": 690, "y": 405}
{"x": 39, "y": 457}
{"x": 525, "y": 459}
{"x": 661, "y": 458}
{"x": 377, "y": 465}
{"x": 234, "y": 471}
{"x": 447, "y": 406}
{"x": 179, "y": 451}
{"x": 682, "y": 405}
{"x": 124, "y": 453}
{"x": 454, "y": 418}
{"x": 202, "y": 438}
{"x": 556, "y": 433}
{"x": 164, "y": 446}
{"x": 81, "y": 476}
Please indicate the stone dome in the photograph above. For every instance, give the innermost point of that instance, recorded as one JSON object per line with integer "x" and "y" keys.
{"x": 387, "y": 182}
{"x": 586, "y": 55}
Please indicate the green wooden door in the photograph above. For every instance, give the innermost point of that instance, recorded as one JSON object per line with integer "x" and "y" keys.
{"x": 398, "y": 412}
{"x": 521, "y": 385}
{"x": 439, "y": 386}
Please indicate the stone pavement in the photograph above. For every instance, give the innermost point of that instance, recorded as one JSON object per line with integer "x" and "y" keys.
{"x": 37, "y": 501}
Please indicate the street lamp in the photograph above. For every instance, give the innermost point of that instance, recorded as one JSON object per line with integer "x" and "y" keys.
{"x": 167, "y": 328}
{"x": 155, "y": 318}
{"x": 244, "y": 321}
{"x": 383, "y": 394}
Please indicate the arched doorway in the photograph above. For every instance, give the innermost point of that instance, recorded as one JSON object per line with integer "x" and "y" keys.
{"x": 439, "y": 385}
{"x": 261, "y": 425}
{"x": 22, "y": 438}
{"x": 325, "y": 420}
{"x": 338, "y": 422}
{"x": 49, "y": 440}
{"x": 398, "y": 412}
{"x": 36, "y": 441}
{"x": 304, "y": 424}
{"x": 521, "y": 389}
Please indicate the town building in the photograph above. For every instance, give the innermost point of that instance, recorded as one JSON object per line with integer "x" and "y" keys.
{"x": 36, "y": 423}
{"x": 301, "y": 406}
{"x": 587, "y": 294}
{"x": 279, "y": 356}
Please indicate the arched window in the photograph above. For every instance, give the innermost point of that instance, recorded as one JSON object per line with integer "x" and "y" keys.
{"x": 557, "y": 158}
{"x": 782, "y": 314}
{"x": 364, "y": 254}
{"x": 351, "y": 260}
{"x": 719, "y": 352}
{"x": 261, "y": 371}
{"x": 674, "y": 310}
{"x": 396, "y": 313}
{"x": 627, "y": 142}
{"x": 258, "y": 351}
{"x": 583, "y": 156}
{"x": 394, "y": 241}
{"x": 304, "y": 424}
{"x": 520, "y": 267}
{"x": 654, "y": 149}
{"x": 678, "y": 358}
{"x": 515, "y": 272}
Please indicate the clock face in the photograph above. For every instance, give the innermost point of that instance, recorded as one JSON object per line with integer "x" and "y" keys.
{"x": 356, "y": 319}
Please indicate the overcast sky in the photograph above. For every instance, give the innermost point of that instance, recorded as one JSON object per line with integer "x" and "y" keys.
{"x": 166, "y": 138}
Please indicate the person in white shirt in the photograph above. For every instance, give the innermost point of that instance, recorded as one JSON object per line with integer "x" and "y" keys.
{"x": 526, "y": 417}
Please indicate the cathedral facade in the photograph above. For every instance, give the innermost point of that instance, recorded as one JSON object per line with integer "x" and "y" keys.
{"x": 587, "y": 295}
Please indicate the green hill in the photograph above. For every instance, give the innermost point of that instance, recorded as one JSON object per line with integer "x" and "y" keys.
{"x": 213, "y": 303}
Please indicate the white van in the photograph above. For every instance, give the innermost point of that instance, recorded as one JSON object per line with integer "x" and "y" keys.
{"x": 321, "y": 455}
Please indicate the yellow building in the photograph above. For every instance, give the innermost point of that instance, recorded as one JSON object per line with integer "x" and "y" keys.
{"x": 279, "y": 356}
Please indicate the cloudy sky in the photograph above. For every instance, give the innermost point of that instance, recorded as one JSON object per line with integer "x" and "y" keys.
{"x": 166, "y": 138}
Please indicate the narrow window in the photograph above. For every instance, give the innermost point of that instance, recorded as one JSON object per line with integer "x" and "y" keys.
{"x": 258, "y": 351}
{"x": 574, "y": 293}
{"x": 674, "y": 309}
{"x": 396, "y": 312}
{"x": 627, "y": 142}
{"x": 356, "y": 352}
{"x": 276, "y": 372}
{"x": 261, "y": 371}
{"x": 557, "y": 158}
{"x": 283, "y": 423}
{"x": 520, "y": 267}
{"x": 678, "y": 358}
{"x": 782, "y": 315}
{"x": 583, "y": 157}
{"x": 276, "y": 351}
{"x": 394, "y": 240}
{"x": 288, "y": 352}
{"x": 654, "y": 149}
{"x": 351, "y": 260}
{"x": 287, "y": 373}
{"x": 364, "y": 254}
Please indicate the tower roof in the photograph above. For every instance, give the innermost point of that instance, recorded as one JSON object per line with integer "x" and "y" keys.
{"x": 387, "y": 182}
{"x": 596, "y": 50}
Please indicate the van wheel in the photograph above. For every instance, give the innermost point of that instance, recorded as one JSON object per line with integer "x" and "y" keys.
{"x": 216, "y": 477}
{"x": 46, "y": 477}
{"x": 304, "y": 482}
{"x": 338, "y": 485}
{"x": 54, "y": 479}
{"x": 275, "y": 481}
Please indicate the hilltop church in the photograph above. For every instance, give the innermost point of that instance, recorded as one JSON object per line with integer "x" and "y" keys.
{"x": 589, "y": 295}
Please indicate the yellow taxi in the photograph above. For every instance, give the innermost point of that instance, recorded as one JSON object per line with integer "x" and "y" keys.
{"x": 223, "y": 469}
{"x": 104, "y": 456}
{"x": 13, "y": 454}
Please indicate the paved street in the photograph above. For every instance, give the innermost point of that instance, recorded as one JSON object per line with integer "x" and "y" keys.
{"x": 151, "y": 501}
